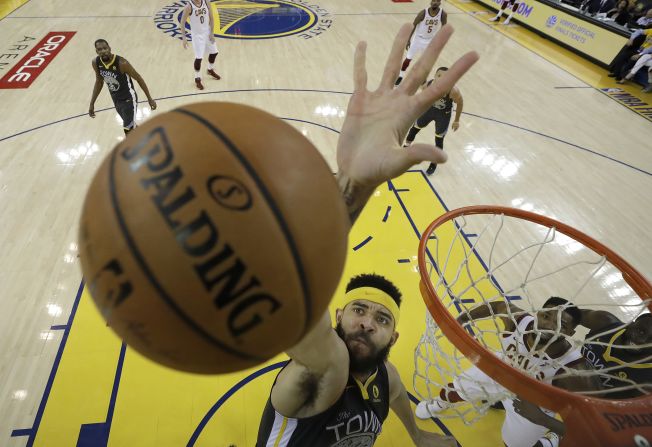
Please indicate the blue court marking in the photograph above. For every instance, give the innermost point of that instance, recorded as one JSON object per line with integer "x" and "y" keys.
{"x": 59, "y": 327}
{"x": 31, "y": 432}
{"x": 97, "y": 434}
{"x": 513, "y": 297}
{"x": 222, "y": 400}
{"x": 559, "y": 140}
{"x": 386, "y": 216}
{"x": 471, "y": 235}
{"x": 21, "y": 432}
{"x": 403, "y": 261}
{"x": 362, "y": 244}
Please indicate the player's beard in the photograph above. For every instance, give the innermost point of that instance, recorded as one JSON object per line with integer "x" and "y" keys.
{"x": 363, "y": 363}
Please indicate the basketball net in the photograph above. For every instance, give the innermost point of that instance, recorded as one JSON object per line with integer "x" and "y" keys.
{"x": 475, "y": 256}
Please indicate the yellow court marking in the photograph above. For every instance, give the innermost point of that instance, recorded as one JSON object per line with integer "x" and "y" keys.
{"x": 156, "y": 406}
{"x": 588, "y": 72}
{"x": 9, "y": 6}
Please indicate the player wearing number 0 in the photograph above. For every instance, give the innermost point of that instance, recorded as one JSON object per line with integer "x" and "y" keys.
{"x": 425, "y": 26}
{"x": 203, "y": 40}
{"x": 538, "y": 344}
{"x": 338, "y": 388}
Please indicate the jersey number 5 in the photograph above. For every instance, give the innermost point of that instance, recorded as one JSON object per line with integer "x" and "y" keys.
{"x": 429, "y": 29}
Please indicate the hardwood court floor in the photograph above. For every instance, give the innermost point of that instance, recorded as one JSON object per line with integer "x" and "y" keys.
{"x": 533, "y": 135}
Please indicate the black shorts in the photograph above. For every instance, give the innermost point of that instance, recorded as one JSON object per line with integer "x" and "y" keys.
{"x": 127, "y": 111}
{"x": 441, "y": 119}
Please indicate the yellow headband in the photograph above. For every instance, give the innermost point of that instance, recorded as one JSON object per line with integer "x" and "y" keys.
{"x": 375, "y": 296}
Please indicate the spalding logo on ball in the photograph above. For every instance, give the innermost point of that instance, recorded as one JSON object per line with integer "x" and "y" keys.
{"x": 213, "y": 237}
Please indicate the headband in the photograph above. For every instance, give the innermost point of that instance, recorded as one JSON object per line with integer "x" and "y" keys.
{"x": 375, "y": 296}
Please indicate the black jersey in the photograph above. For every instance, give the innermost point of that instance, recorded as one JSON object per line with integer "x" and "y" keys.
{"x": 442, "y": 105}
{"x": 355, "y": 419}
{"x": 119, "y": 84}
{"x": 606, "y": 356}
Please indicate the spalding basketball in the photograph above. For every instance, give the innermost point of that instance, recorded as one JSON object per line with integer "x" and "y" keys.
{"x": 213, "y": 237}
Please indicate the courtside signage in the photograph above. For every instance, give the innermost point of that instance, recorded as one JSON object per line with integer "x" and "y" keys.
{"x": 32, "y": 65}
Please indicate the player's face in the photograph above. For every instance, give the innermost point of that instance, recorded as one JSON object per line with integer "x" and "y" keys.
{"x": 548, "y": 320}
{"x": 434, "y": 4}
{"x": 640, "y": 333}
{"x": 368, "y": 331}
{"x": 103, "y": 50}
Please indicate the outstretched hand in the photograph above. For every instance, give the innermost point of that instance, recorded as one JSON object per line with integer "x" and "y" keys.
{"x": 369, "y": 148}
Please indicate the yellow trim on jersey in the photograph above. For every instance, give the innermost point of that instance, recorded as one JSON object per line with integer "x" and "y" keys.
{"x": 110, "y": 63}
{"x": 375, "y": 296}
{"x": 281, "y": 431}
{"x": 363, "y": 387}
{"x": 610, "y": 358}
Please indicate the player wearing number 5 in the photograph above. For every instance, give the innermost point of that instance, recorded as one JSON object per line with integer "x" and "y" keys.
{"x": 201, "y": 31}
{"x": 425, "y": 26}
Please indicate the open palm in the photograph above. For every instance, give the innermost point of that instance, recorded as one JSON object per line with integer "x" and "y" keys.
{"x": 369, "y": 147}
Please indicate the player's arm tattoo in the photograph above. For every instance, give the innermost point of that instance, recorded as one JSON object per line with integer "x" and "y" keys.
{"x": 355, "y": 196}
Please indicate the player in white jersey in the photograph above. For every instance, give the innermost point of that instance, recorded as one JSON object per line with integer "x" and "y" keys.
{"x": 425, "y": 26}
{"x": 203, "y": 40}
{"x": 536, "y": 345}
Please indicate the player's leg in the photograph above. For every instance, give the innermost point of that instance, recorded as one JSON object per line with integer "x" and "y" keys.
{"x": 514, "y": 6}
{"x": 127, "y": 111}
{"x": 420, "y": 123}
{"x": 212, "y": 55}
{"x": 640, "y": 62}
{"x": 198, "y": 46}
{"x": 500, "y": 11}
{"x": 648, "y": 89}
{"x": 415, "y": 49}
{"x": 472, "y": 385}
{"x": 441, "y": 127}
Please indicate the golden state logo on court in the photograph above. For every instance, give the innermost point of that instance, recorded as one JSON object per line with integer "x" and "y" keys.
{"x": 252, "y": 19}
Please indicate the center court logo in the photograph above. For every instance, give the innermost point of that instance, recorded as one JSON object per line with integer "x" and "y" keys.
{"x": 253, "y": 19}
{"x": 552, "y": 21}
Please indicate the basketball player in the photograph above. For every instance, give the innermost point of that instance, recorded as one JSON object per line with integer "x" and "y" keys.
{"x": 337, "y": 388}
{"x": 440, "y": 113}
{"x": 117, "y": 73}
{"x": 621, "y": 348}
{"x": 203, "y": 39}
{"x": 513, "y": 4}
{"x": 425, "y": 27}
{"x": 535, "y": 344}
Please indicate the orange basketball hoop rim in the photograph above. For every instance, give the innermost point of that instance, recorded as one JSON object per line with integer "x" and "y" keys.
{"x": 589, "y": 421}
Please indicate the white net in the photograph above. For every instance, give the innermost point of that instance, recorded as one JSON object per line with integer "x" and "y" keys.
{"x": 504, "y": 269}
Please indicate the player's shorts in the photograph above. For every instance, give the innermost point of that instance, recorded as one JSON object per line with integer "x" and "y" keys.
{"x": 441, "y": 119}
{"x": 202, "y": 44}
{"x": 417, "y": 46}
{"x": 518, "y": 431}
{"x": 473, "y": 385}
{"x": 127, "y": 111}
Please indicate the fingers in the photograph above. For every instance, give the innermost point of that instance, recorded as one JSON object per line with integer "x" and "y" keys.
{"x": 394, "y": 60}
{"x": 360, "y": 67}
{"x": 416, "y": 153}
{"x": 424, "y": 64}
{"x": 445, "y": 83}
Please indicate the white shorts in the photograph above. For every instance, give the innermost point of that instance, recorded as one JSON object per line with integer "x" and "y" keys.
{"x": 201, "y": 44}
{"x": 473, "y": 385}
{"x": 417, "y": 46}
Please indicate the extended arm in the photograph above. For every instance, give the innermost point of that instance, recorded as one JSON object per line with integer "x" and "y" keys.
{"x": 400, "y": 404}
{"x": 97, "y": 88}
{"x": 184, "y": 19}
{"x": 418, "y": 19}
{"x": 501, "y": 308}
{"x": 459, "y": 106}
{"x": 126, "y": 67}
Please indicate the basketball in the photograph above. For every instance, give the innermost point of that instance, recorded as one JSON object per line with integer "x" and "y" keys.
{"x": 213, "y": 237}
